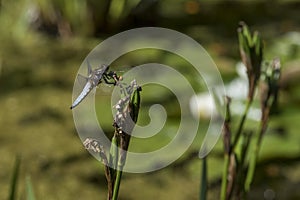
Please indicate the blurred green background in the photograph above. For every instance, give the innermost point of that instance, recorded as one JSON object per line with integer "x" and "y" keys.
{"x": 42, "y": 45}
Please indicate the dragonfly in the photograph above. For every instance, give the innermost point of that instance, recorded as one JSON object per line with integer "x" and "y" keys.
{"x": 94, "y": 78}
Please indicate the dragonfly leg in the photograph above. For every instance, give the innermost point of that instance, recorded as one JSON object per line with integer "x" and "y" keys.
{"x": 111, "y": 76}
{"x": 106, "y": 79}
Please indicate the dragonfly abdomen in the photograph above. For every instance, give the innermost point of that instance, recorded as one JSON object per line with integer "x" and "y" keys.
{"x": 86, "y": 90}
{"x": 95, "y": 78}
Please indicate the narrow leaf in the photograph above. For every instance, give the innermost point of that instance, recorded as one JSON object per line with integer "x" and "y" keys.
{"x": 29, "y": 189}
{"x": 14, "y": 181}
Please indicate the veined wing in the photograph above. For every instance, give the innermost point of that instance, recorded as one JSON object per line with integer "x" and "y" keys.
{"x": 93, "y": 79}
{"x": 86, "y": 90}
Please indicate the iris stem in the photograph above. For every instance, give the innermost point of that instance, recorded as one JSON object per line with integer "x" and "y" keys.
{"x": 233, "y": 146}
{"x": 224, "y": 178}
{"x": 117, "y": 184}
{"x": 241, "y": 125}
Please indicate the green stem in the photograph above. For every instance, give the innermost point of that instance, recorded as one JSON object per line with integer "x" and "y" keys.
{"x": 251, "y": 168}
{"x": 224, "y": 178}
{"x": 117, "y": 184}
{"x": 113, "y": 160}
{"x": 240, "y": 178}
{"x": 124, "y": 143}
{"x": 227, "y": 156}
{"x": 114, "y": 151}
{"x": 124, "y": 139}
{"x": 241, "y": 125}
{"x": 253, "y": 158}
{"x": 203, "y": 189}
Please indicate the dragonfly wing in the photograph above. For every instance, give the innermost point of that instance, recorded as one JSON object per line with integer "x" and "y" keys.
{"x": 97, "y": 75}
{"x": 86, "y": 90}
{"x": 94, "y": 78}
{"x": 82, "y": 80}
{"x": 89, "y": 67}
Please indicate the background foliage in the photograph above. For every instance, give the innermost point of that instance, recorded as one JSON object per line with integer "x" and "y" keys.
{"x": 44, "y": 42}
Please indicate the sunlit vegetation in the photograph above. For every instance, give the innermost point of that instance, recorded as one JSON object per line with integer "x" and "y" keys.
{"x": 42, "y": 46}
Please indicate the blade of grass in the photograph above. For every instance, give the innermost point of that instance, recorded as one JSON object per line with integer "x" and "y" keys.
{"x": 14, "y": 180}
{"x": 29, "y": 189}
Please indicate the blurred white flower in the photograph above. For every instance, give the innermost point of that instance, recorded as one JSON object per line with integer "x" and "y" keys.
{"x": 202, "y": 105}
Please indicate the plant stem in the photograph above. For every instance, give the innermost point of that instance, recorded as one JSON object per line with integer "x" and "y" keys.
{"x": 241, "y": 125}
{"x": 124, "y": 143}
{"x": 224, "y": 178}
{"x": 251, "y": 168}
{"x": 122, "y": 138}
{"x": 253, "y": 159}
{"x": 234, "y": 144}
{"x": 117, "y": 184}
{"x": 113, "y": 159}
{"x": 240, "y": 178}
{"x": 203, "y": 189}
